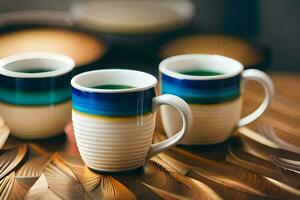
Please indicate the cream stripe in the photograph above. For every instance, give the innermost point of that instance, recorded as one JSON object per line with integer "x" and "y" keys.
{"x": 107, "y": 118}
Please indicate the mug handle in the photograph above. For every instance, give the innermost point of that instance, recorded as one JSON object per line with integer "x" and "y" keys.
{"x": 186, "y": 114}
{"x": 266, "y": 82}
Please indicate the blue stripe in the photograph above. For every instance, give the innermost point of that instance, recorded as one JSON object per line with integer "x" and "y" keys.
{"x": 113, "y": 104}
{"x": 202, "y": 91}
{"x": 36, "y": 84}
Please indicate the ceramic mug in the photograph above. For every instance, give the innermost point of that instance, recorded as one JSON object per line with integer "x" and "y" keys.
{"x": 35, "y": 94}
{"x": 114, "y": 127}
{"x": 215, "y": 100}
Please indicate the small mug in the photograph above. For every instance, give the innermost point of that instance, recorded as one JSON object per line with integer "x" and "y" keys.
{"x": 114, "y": 114}
{"x": 35, "y": 94}
{"x": 214, "y": 95}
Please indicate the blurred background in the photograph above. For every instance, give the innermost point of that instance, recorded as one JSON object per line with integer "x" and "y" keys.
{"x": 139, "y": 33}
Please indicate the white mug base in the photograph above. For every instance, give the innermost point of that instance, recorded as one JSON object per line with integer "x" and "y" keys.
{"x": 113, "y": 144}
{"x": 36, "y": 122}
{"x": 213, "y": 123}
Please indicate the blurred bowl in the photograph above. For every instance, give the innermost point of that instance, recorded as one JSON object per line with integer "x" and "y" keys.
{"x": 50, "y": 31}
{"x": 133, "y": 23}
{"x": 250, "y": 54}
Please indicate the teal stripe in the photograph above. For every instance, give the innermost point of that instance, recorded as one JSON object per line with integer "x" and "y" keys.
{"x": 31, "y": 98}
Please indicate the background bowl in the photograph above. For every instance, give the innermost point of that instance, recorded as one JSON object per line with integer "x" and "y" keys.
{"x": 251, "y": 53}
{"x": 51, "y": 31}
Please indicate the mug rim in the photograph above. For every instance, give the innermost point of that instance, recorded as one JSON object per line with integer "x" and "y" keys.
{"x": 164, "y": 69}
{"x": 69, "y": 64}
{"x": 74, "y": 81}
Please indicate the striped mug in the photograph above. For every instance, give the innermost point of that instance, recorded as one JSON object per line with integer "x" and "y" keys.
{"x": 114, "y": 115}
{"x": 212, "y": 86}
{"x": 35, "y": 94}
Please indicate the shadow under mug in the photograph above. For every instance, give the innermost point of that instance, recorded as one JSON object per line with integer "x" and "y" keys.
{"x": 114, "y": 127}
{"x": 215, "y": 101}
{"x": 35, "y": 94}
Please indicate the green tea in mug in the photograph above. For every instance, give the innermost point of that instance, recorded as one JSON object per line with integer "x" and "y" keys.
{"x": 200, "y": 72}
{"x": 112, "y": 87}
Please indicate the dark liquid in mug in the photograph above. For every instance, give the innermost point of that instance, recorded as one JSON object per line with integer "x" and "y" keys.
{"x": 200, "y": 72}
{"x": 34, "y": 70}
{"x": 112, "y": 87}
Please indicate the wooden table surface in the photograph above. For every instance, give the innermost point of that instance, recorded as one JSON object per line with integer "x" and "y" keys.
{"x": 247, "y": 166}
